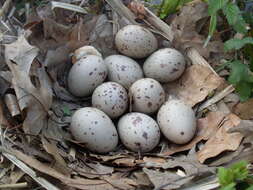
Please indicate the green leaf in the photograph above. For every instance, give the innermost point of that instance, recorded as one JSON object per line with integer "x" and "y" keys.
{"x": 239, "y": 72}
{"x": 241, "y": 77}
{"x": 66, "y": 111}
{"x": 250, "y": 188}
{"x": 230, "y": 186}
{"x": 240, "y": 25}
{"x": 231, "y": 11}
{"x": 168, "y": 7}
{"x": 225, "y": 176}
{"x": 240, "y": 170}
{"x": 237, "y": 43}
{"x": 215, "y": 5}
{"x": 212, "y": 28}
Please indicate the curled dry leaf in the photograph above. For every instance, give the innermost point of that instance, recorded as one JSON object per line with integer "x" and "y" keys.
{"x": 195, "y": 85}
{"x": 206, "y": 128}
{"x": 244, "y": 109}
{"x": 222, "y": 140}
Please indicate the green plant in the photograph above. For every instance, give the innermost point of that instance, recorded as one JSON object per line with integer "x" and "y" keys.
{"x": 170, "y": 6}
{"x": 235, "y": 177}
{"x": 241, "y": 74}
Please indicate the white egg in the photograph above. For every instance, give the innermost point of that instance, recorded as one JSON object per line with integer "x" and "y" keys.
{"x": 177, "y": 121}
{"x": 147, "y": 95}
{"x": 95, "y": 129}
{"x": 138, "y": 132}
{"x": 164, "y": 65}
{"x": 84, "y": 51}
{"x": 123, "y": 70}
{"x": 135, "y": 41}
{"x": 86, "y": 74}
{"x": 111, "y": 98}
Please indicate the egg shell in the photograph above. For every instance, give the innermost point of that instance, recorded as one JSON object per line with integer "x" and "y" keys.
{"x": 138, "y": 132}
{"x": 135, "y": 41}
{"x": 95, "y": 129}
{"x": 84, "y": 51}
{"x": 147, "y": 95}
{"x": 111, "y": 98}
{"x": 177, "y": 121}
{"x": 164, "y": 65}
{"x": 86, "y": 74}
{"x": 123, "y": 70}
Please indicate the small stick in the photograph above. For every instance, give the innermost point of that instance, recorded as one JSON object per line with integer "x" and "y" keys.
{"x": 16, "y": 185}
{"x": 217, "y": 97}
{"x": 196, "y": 58}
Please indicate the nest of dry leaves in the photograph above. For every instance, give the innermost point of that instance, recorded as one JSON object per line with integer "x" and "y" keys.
{"x": 37, "y": 150}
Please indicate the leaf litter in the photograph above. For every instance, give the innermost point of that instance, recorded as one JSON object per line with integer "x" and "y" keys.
{"x": 37, "y": 65}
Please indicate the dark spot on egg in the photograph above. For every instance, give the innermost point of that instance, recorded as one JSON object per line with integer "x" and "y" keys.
{"x": 149, "y": 104}
{"x": 182, "y": 133}
{"x": 145, "y": 135}
{"x": 90, "y": 73}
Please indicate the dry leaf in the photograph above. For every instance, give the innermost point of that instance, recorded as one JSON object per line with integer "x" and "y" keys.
{"x": 128, "y": 161}
{"x": 206, "y": 128}
{"x": 185, "y": 26}
{"x": 141, "y": 179}
{"x": 244, "y": 109}
{"x": 60, "y": 164}
{"x": 37, "y": 100}
{"x": 79, "y": 183}
{"x": 22, "y": 53}
{"x": 189, "y": 163}
{"x": 166, "y": 180}
{"x": 222, "y": 140}
{"x": 195, "y": 85}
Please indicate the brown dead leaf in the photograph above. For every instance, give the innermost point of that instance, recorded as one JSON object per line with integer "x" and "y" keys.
{"x": 189, "y": 163}
{"x": 79, "y": 183}
{"x": 128, "y": 161}
{"x": 19, "y": 57}
{"x": 22, "y": 53}
{"x": 60, "y": 164}
{"x": 141, "y": 179}
{"x": 166, "y": 180}
{"x": 185, "y": 26}
{"x": 244, "y": 109}
{"x": 195, "y": 84}
{"x": 120, "y": 182}
{"x": 206, "y": 128}
{"x": 222, "y": 140}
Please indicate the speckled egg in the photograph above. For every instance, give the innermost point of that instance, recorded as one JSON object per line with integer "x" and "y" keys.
{"x": 135, "y": 41}
{"x": 138, "y": 132}
{"x": 95, "y": 129}
{"x": 177, "y": 121}
{"x": 111, "y": 98}
{"x": 164, "y": 65}
{"x": 86, "y": 74}
{"x": 123, "y": 70}
{"x": 147, "y": 95}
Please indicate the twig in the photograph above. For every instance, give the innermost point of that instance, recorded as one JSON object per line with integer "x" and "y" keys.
{"x": 16, "y": 185}
{"x": 196, "y": 58}
{"x": 217, "y": 97}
